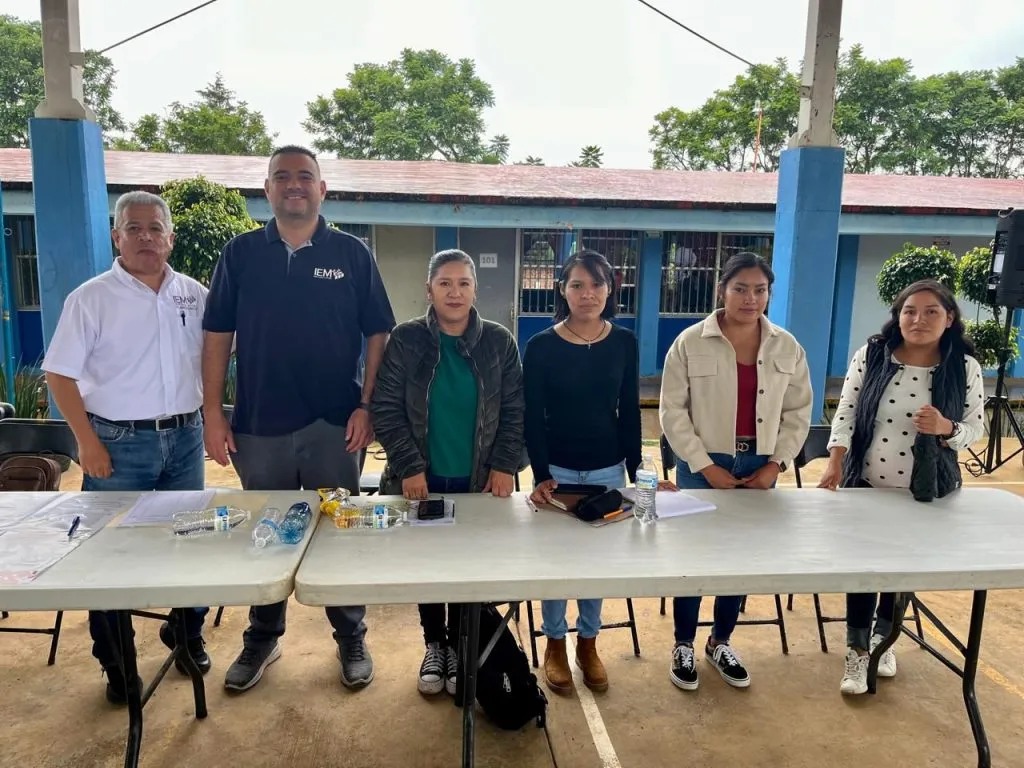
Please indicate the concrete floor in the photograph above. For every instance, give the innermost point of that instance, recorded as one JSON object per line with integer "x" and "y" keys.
{"x": 300, "y": 715}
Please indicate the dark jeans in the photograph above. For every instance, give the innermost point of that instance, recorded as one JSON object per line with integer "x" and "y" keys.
{"x": 432, "y": 615}
{"x": 859, "y": 608}
{"x": 686, "y": 610}
{"x": 146, "y": 460}
{"x": 310, "y": 458}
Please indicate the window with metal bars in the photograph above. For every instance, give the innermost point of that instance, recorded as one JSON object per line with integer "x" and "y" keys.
{"x": 692, "y": 263}
{"x": 622, "y": 249}
{"x": 539, "y": 268}
{"x": 363, "y": 231}
{"x": 20, "y": 239}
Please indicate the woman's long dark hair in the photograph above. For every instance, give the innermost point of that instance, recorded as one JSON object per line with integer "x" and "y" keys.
{"x": 597, "y": 267}
{"x": 953, "y": 337}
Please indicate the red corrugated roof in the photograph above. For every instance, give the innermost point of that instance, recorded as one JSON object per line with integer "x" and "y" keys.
{"x": 436, "y": 182}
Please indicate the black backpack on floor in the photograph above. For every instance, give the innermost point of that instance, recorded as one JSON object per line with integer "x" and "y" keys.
{"x": 505, "y": 687}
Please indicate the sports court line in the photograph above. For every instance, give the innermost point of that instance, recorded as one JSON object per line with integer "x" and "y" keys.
{"x": 603, "y": 742}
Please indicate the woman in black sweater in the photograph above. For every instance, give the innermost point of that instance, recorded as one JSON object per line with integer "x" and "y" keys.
{"x": 581, "y": 382}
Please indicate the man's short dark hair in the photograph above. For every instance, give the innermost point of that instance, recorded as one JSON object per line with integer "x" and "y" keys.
{"x": 294, "y": 149}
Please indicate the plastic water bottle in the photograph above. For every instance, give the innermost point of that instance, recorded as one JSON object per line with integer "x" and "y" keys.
{"x": 207, "y": 522}
{"x": 267, "y": 528}
{"x": 646, "y": 487}
{"x": 296, "y": 520}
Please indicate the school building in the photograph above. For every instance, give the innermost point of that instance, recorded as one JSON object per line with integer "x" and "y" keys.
{"x": 666, "y": 233}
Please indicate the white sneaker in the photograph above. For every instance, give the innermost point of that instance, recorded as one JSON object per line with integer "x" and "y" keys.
{"x": 886, "y": 664}
{"x": 432, "y": 670}
{"x": 855, "y": 678}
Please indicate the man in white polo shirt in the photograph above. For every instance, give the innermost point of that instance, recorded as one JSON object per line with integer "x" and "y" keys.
{"x": 124, "y": 369}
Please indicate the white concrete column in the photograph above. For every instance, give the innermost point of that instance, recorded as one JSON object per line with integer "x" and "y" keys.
{"x": 818, "y": 82}
{"x": 63, "y": 63}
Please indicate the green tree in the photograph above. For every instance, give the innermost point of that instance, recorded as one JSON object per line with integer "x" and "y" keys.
{"x": 531, "y": 160}
{"x": 722, "y": 133}
{"x": 591, "y": 156}
{"x": 215, "y": 124}
{"x": 913, "y": 263}
{"x": 206, "y": 215}
{"x": 496, "y": 151}
{"x": 419, "y": 106}
{"x": 21, "y": 81}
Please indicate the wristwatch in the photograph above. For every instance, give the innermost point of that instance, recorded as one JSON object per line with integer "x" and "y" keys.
{"x": 954, "y": 433}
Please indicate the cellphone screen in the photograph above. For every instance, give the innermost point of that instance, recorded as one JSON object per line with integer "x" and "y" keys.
{"x": 430, "y": 509}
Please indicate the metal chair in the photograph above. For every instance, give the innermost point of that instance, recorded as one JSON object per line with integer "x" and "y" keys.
{"x": 40, "y": 437}
{"x": 668, "y": 459}
{"x": 816, "y": 447}
{"x": 535, "y": 633}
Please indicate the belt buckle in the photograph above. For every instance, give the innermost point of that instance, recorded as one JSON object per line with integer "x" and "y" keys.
{"x": 171, "y": 421}
{"x": 742, "y": 446}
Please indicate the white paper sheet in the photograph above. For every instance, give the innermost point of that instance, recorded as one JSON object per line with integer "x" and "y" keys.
{"x": 158, "y": 507}
{"x": 15, "y": 507}
{"x": 448, "y": 519}
{"x": 674, "y": 503}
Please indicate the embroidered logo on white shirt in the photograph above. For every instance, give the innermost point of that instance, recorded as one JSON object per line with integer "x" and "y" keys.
{"x": 328, "y": 274}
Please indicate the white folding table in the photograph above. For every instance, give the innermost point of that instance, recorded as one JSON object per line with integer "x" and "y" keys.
{"x": 755, "y": 542}
{"x": 134, "y": 569}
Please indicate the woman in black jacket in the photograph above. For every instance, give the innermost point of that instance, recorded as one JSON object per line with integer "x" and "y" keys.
{"x": 448, "y": 410}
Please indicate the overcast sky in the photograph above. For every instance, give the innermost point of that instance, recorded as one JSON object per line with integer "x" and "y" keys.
{"x": 565, "y": 73}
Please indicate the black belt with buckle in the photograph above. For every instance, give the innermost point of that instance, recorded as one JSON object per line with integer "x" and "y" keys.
{"x": 158, "y": 425}
{"x": 746, "y": 446}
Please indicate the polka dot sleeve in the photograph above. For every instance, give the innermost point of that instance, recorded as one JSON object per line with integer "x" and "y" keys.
{"x": 842, "y": 422}
{"x": 972, "y": 426}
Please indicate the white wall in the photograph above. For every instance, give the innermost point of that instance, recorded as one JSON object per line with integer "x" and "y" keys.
{"x": 402, "y": 257}
{"x": 868, "y": 311}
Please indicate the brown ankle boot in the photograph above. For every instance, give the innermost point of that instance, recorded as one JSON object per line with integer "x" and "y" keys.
{"x": 594, "y": 676}
{"x": 556, "y": 667}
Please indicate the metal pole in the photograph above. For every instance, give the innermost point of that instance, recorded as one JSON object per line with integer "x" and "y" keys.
{"x": 6, "y": 308}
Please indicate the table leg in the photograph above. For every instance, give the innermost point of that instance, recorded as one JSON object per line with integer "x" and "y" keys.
{"x": 899, "y": 608}
{"x": 470, "y": 650}
{"x": 970, "y": 673}
{"x": 181, "y": 654}
{"x": 130, "y": 670}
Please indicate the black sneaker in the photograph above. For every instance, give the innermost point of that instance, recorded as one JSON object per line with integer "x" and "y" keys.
{"x": 723, "y": 658}
{"x": 683, "y": 671}
{"x": 250, "y": 665}
{"x": 356, "y": 663}
{"x": 196, "y": 649}
{"x": 432, "y": 670}
{"x": 117, "y": 690}
{"x": 451, "y": 675}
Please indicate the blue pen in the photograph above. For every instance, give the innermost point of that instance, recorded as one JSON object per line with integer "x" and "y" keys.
{"x": 74, "y": 525}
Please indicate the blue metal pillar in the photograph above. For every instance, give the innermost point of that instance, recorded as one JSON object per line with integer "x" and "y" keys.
{"x": 8, "y": 310}
{"x": 805, "y": 254}
{"x": 842, "y": 304}
{"x": 72, "y": 212}
{"x": 648, "y": 301}
{"x": 445, "y": 238}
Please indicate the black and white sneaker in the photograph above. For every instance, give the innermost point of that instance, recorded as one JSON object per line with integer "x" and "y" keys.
{"x": 432, "y": 670}
{"x": 683, "y": 671}
{"x": 451, "y": 674}
{"x": 728, "y": 664}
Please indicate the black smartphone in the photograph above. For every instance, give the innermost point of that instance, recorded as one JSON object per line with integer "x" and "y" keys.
{"x": 430, "y": 509}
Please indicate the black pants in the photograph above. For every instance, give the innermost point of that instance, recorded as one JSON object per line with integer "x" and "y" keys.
{"x": 432, "y": 615}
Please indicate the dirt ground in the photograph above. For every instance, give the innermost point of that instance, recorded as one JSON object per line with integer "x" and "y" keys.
{"x": 301, "y": 716}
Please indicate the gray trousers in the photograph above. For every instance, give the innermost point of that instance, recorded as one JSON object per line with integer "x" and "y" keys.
{"x": 313, "y": 457}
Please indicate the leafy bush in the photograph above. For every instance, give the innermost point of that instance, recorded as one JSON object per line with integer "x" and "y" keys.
{"x": 972, "y": 275}
{"x": 987, "y": 336}
{"x": 914, "y": 263}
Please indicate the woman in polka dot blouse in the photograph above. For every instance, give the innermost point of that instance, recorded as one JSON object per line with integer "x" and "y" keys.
{"x": 917, "y": 377}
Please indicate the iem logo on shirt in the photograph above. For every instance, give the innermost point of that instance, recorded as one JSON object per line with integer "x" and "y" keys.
{"x": 328, "y": 274}
{"x": 185, "y": 302}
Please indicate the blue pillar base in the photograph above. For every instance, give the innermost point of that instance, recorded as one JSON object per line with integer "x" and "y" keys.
{"x": 445, "y": 238}
{"x": 648, "y": 301}
{"x": 72, "y": 210}
{"x": 805, "y": 254}
{"x": 842, "y": 304}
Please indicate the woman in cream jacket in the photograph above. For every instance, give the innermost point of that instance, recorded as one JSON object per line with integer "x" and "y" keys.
{"x": 735, "y": 407}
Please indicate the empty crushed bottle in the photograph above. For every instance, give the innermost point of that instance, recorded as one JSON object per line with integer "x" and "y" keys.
{"x": 207, "y": 521}
{"x": 645, "y": 508}
{"x": 296, "y": 520}
{"x": 266, "y": 530}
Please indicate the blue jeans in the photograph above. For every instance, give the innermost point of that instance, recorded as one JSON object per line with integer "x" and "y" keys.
{"x": 432, "y": 615}
{"x": 552, "y": 612}
{"x": 146, "y": 460}
{"x": 686, "y": 610}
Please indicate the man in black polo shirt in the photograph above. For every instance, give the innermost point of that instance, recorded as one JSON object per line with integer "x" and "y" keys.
{"x": 298, "y": 298}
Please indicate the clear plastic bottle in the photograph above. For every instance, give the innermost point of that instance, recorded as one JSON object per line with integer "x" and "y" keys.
{"x": 295, "y": 522}
{"x": 267, "y": 528}
{"x": 646, "y": 489}
{"x": 205, "y": 522}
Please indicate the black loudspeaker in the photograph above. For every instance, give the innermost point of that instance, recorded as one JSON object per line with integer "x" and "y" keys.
{"x": 1006, "y": 278}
